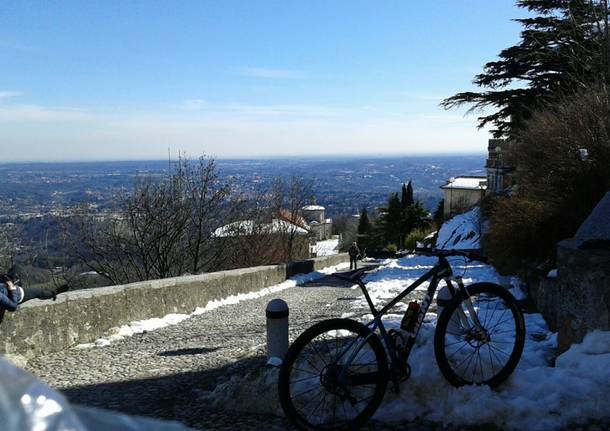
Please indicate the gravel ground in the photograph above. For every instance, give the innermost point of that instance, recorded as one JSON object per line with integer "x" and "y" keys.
{"x": 163, "y": 373}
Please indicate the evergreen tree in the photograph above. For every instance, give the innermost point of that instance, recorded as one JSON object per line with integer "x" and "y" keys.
{"x": 365, "y": 229}
{"x": 407, "y": 201}
{"x": 397, "y": 220}
{"x": 564, "y": 47}
{"x": 407, "y": 195}
{"x": 391, "y": 220}
{"x": 364, "y": 225}
{"x": 414, "y": 217}
{"x": 439, "y": 214}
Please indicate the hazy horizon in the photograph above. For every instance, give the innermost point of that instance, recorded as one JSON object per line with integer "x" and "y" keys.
{"x": 125, "y": 81}
{"x": 303, "y": 157}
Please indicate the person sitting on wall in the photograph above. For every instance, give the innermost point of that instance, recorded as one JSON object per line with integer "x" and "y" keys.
{"x": 354, "y": 253}
{"x": 12, "y": 293}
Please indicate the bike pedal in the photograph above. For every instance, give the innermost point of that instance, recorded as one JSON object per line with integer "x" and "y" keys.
{"x": 405, "y": 373}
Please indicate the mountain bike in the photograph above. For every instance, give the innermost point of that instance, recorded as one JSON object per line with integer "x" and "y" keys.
{"x": 335, "y": 374}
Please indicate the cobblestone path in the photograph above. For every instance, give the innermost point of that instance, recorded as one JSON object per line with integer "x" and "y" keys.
{"x": 163, "y": 373}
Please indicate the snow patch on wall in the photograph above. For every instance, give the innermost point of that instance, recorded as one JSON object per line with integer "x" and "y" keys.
{"x": 462, "y": 232}
{"x": 327, "y": 247}
{"x": 141, "y": 326}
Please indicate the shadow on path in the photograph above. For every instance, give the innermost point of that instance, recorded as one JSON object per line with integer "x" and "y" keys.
{"x": 173, "y": 397}
{"x": 188, "y": 351}
{"x": 332, "y": 281}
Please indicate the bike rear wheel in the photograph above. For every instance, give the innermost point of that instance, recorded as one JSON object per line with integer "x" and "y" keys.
{"x": 466, "y": 355}
{"x": 333, "y": 377}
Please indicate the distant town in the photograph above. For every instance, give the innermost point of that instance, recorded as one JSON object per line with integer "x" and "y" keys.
{"x": 341, "y": 185}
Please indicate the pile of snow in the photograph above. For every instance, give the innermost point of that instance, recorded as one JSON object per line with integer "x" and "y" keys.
{"x": 26, "y": 403}
{"x": 537, "y": 396}
{"x": 327, "y": 247}
{"x": 249, "y": 227}
{"x": 462, "y": 232}
{"x": 468, "y": 183}
{"x": 141, "y": 326}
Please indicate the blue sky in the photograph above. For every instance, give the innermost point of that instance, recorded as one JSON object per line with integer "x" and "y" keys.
{"x": 128, "y": 80}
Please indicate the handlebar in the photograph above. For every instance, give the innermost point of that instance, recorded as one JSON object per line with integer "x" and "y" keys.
{"x": 469, "y": 254}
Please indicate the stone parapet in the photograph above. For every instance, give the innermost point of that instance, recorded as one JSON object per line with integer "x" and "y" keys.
{"x": 82, "y": 316}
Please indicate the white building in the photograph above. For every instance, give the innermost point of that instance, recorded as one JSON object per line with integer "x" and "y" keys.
{"x": 315, "y": 216}
{"x": 462, "y": 193}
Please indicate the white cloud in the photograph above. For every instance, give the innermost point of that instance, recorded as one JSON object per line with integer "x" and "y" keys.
{"x": 427, "y": 97}
{"x": 35, "y": 132}
{"x": 4, "y": 95}
{"x": 193, "y": 104}
{"x": 283, "y": 110}
{"x": 448, "y": 118}
{"x": 37, "y": 113}
{"x": 269, "y": 73}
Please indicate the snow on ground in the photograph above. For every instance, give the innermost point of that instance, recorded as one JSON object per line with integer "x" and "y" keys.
{"x": 537, "y": 396}
{"x": 27, "y": 403}
{"x": 140, "y": 326}
{"x": 462, "y": 232}
{"x": 327, "y": 247}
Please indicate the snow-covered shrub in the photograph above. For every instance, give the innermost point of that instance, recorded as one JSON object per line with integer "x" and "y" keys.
{"x": 416, "y": 236}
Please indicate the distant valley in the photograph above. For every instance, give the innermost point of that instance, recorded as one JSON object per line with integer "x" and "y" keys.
{"x": 342, "y": 185}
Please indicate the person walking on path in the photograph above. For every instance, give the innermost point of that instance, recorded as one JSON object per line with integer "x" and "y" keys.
{"x": 354, "y": 253}
{"x": 12, "y": 293}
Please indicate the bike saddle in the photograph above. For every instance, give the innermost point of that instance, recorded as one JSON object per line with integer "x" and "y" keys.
{"x": 351, "y": 276}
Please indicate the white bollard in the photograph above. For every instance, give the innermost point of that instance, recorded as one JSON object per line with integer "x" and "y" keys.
{"x": 443, "y": 298}
{"x": 277, "y": 331}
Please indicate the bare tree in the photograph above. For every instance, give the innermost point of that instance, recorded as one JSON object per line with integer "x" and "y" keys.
{"x": 268, "y": 228}
{"x": 252, "y": 237}
{"x": 161, "y": 229}
{"x": 346, "y": 226}
{"x": 289, "y": 197}
{"x": 208, "y": 200}
{"x": 7, "y": 250}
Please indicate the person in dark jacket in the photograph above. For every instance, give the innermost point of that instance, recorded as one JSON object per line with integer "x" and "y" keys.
{"x": 354, "y": 253}
{"x": 12, "y": 293}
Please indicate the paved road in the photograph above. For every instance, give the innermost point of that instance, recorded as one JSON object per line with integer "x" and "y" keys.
{"x": 163, "y": 373}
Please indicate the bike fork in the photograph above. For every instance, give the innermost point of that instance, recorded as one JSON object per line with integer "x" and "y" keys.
{"x": 473, "y": 314}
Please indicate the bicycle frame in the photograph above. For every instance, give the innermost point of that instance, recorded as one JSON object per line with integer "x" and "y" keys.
{"x": 441, "y": 271}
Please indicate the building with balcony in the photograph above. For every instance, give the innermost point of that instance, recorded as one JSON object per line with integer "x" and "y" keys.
{"x": 500, "y": 170}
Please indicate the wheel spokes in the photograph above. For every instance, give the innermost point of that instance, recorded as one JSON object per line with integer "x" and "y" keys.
{"x": 466, "y": 352}
{"x": 324, "y": 389}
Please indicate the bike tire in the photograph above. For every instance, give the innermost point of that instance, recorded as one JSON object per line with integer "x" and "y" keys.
{"x": 500, "y": 315}
{"x": 305, "y": 348}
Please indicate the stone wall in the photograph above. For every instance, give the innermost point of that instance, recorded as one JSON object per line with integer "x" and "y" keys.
{"x": 85, "y": 315}
{"x": 578, "y": 299}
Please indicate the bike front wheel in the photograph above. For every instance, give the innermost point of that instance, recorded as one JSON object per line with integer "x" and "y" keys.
{"x": 333, "y": 377}
{"x": 479, "y": 337}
